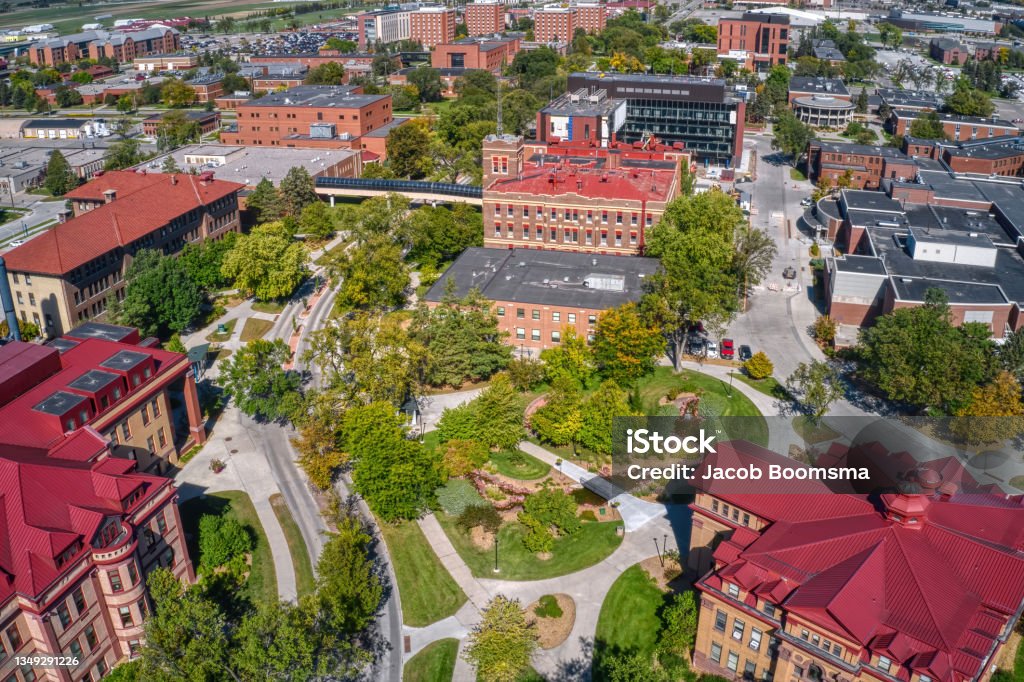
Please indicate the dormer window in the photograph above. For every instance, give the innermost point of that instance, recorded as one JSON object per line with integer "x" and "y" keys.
{"x": 884, "y": 664}
{"x": 109, "y": 533}
{"x": 733, "y": 590}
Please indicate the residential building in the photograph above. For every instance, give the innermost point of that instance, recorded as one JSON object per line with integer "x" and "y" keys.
{"x": 592, "y": 17}
{"x": 123, "y": 46}
{"x": 382, "y": 27}
{"x": 536, "y": 295}
{"x": 756, "y": 41}
{"x": 156, "y": 63}
{"x": 71, "y": 273}
{"x": 316, "y": 116}
{"x": 207, "y": 121}
{"x": 430, "y": 26}
{"x": 702, "y": 113}
{"x": 208, "y": 87}
{"x": 863, "y": 165}
{"x": 988, "y": 156}
{"x": 484, "y": 18}
{"x": 958, "y": 128}
{"x": 492, "y": 53}
{"x": 826, "y": 586}
{"x": 576, "y": 197}
{"x": 582, "y": 117}
{"x": 248, "y": 165}
{"x": 948, "y": 51}
{"x": 554, "y": 24}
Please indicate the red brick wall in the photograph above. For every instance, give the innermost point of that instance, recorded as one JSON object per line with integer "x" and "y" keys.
{"x": 484, "y": 19}
{"x": 432, "y": 28}
{"x": 268, "y": 126}
{"x": 551, "y": 25}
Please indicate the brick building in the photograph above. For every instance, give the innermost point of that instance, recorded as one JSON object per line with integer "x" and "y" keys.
{"x": 827, "y": 586}
{"x": 492, "y": 53}
{"x": 208, "y": 87}
{"x": 123, "y": 46}
{"x": 757, "y": 41}
{"x": 537, "y": 294}
{"x": 956, "y": 127}
{"x": 592, "y": 17}
{"x": 156, "y": 63}
{"x": 582, "y": 116}
{"x": 208, "y": 121}
{"x": 430, "y": 26}
{"x": 576, "y": 197}
{"x": 85, "y": 428}
{"x": 71, "y": 273}
{"x": 948, "y": 51}
{"x": 484, "y": 18}
{"x": 867, "y": 164}
{"x": 325, "y": 116}
{"x": 558, "y": 24}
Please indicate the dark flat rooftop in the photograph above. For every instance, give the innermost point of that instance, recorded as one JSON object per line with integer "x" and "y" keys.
{"x": 867, "y": 200}
{"x": 101, "y": 330}
{"x": 93, "y": 380}
{"x": 62, "y": 344}
{"x": 123, "y": 360}
{"x": 59, "y": 403}
{"x": 818, "y": 85}
{"x": 958, "y": 293}
{"x": 853, "y": 148}
{"x": 560, "y": 278}
{"x": 868, "y": 265}
{"x": 316, "y": 96}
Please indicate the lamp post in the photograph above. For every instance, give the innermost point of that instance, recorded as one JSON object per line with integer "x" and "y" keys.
{"x": 496, "y": 569}
{"x": 731, "y": 375}
{"x": 661, "y": 559}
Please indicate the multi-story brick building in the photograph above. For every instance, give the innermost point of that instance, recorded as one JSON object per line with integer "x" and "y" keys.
{"x": 826, "y": 586}
{"x": 576, "y": 197}
{"x": 582, "y": 116}
{"x": 156, "y": 63}
{"x": 123, "y": 46}
{"x": 554, "y": 24}
{"x": 757, "y": 41}
{"x": 382, "y": 27}
{"x": 326, "y": 116}
{"x": 484, "y": 18}
{"x": 82, "y": 525}
{"x": 957, "y": 128}
{"x": 537, "y": 294}
{"x": 208, "y": 122}
{"x": 492, "y": 53}
{"x": 208, "y": 87}
{"x": 72, "y": 272}
{"x": 948, "y": 51}
{"x": 592, "y": 17}
{"x": 866, "y": 164}
{"x": 430, "y": 26}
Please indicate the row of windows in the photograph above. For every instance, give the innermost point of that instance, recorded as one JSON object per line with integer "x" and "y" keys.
{"x": 571, "y": 215}
{"x": 535, "y": 314}
{"x": 725, "y": 510}
{"x": 556, "y": 336}
{"x": 570, "y": 235}
{"x": 64, "y": 614}
{"x": 738, "y": 630}
{"x": 732, "y": 662}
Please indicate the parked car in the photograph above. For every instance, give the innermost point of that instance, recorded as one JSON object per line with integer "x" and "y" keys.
{"x": 695, "y": 346}
{"x": 806, "y": 201}
{"x": 16, "y": 242}
{"x": 789, "y": 273}
{"x": 728, "y": 349}
{"x": 711, "y": 350}
{"x": 745, "y": 353}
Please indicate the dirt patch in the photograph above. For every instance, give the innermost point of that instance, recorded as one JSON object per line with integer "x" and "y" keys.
{"x": 481, "y": 538}
{"x": 553, "y": 631}
{"x": 667, "y": 577}
{"x": 544, "y": 556}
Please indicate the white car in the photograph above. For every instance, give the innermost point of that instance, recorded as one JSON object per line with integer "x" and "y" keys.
{"x": 711, "y": 350}
{"x": 16, "y": 242}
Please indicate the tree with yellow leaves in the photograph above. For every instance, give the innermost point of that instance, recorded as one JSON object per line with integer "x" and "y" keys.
{"x": 995, "y": 413}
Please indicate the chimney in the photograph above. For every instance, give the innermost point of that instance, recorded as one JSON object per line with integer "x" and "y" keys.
{"x": 174, "y": 179}
{"x": 63, "y": 216}
{"x": 109, "y": 196}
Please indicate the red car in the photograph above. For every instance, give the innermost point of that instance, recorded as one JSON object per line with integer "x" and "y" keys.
{"x": 728, "y": 351}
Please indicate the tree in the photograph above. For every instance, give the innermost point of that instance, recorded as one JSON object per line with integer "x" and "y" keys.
{"x": 348, "y": 586}
{"x": 67, "y": 97}
{"x": 297, "y": 190}
{"x": 967, "y": 100}
{"x": 122, "y": 154}
{"x": 625, "y": 346}
{"x": 816, "y": 385}
{"x": 494, "y": 418}
{"x": 265, "y": 263}
{"x": 1010, "y": 354}
{"x": 29, "y": 330}
{"x": 396, "y": 476}
{"x": 862, "y": 101}
{"x": 160, "y": 297}
{"x": 202, "y": 262}
{"x": 890, "y": 34}
{"x": 319, "y": 439}
{"x": 759, "y": 366}
{"x": 408, "y": 148}
{"x": 755, "y": 253}
{"x": 427, "y": 81}
{"x": 461, "y": 457}
{"x": 275, "y": 641}
{"x": 462, "y": 340}
{"x": 317, "y": 220}
{"x": 169, "y": 165}
{"x": 525, "y": 373}
{"x": 559, "y": 420}
{"x": 824, "y": 329}
{"x": 501, "y": 644}
{"x": 571, "y": 358}
{"x": 222, "y": 539}
{"x": 791, "y": 135}
{"x": 995, "y": 413}
{"x": 440, "y": 234}
{"x": 177, "y": 93}
{"x": 254, "y": 377}
{"x": 597, "y": 415}
{"x": 176, "y": 129}
{"x": 340, "y": 45}
{"x": 328, "y": 73}
{"x": 265, "y": 203}
{"x": 916, "y": 355}
{"x": 928, "y": 127}
{"x": 679, "y": 624}
{"x": 60, "y": 179}
{"x": 373, "y": 276}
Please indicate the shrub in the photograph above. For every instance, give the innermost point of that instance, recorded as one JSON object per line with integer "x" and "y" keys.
{"x": 588, "y": 515}
{"x": 221, "y": 540}
{"x": 463, "y": 456}
{"x": 538, "y": 538}
{"x": 759, "y": 366}
{"x": 456, "y": 495}
{"x": 547, "y": 607}
{"x": 824, "y": 329}
{"x": 482, "y": 515}
{"x": 525, "y": 373}
{"x": 553, "y": 508}
{"x": 815, "y": 250}
{"x": 217, "y": 466}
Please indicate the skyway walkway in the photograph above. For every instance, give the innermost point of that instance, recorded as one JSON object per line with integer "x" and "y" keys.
{"x": 442, "y": 192}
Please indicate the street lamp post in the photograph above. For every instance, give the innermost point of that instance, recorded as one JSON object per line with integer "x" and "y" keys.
{"x": 730, "y": 384}
{"x": 496, "y": 569}
{"x": 661, "y": 559}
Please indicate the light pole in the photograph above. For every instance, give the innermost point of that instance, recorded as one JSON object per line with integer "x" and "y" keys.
{"x": 496, "y": 569}
{"x": 731, "y": 375}
{"x": 661, "y": 559}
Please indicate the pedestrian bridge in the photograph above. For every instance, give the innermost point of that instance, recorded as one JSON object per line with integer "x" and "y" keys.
{"x": 439, "y": 192}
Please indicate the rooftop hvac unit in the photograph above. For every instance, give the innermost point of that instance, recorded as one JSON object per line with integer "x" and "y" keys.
{"x": 321, "y": 131}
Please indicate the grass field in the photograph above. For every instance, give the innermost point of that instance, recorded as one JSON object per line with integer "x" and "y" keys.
{"x": 221, "y": 337}
{"x": 570, "y": 554}
{"x": 435, "y": 663}
{"x": 519, "y": 465}
{"x": 271, "y": 307}
{"x": 770, "y": 386}
{"x": 255, "y": 328}
{"x": 427, "y": 591}
{"x": 629, "y": 615}
{"x": 261, "y": 587}
{"x": 305, "y": 583}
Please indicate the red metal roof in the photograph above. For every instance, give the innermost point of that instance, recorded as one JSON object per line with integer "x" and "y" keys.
{"x": 627, "y": 184}
{"x": 144, "y": 203}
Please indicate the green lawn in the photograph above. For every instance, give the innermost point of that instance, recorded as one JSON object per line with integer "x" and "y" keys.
{"x": 770, "y": 386}
{"x": 435, "y": 663}
{"x": 519, "y": 465}
{"x": 629, "y": 615}
{"x": 428, "y": 593}
{"x": 261, "y": 587}
{"x": 272, "y": 307}
{"x": 221, "y": 337}
{"x": 570, "y": 554}
{"x": 796, "y": 174}
{"x": 255, "y": 328}
{"x": 305, "y": 583}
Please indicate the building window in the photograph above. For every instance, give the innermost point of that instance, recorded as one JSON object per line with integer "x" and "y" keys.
{"x": 64, "y": 615}
{"x": 161, "y": 524}
{"x": 133, "y": 573}
{"x": 769, "y": 609}
{"x": 535, "y": 335}
{"x": 572, "y": 318}
{"x": 150, "y": 444}
{"x": 126, "y": 431}
{"x": 115, "y": 581}
{"x": 716, "y": 652}
{"x": 79, "y": 599}
{"x": 556, "y": 336}
{"x": 749, "y": 669}
{"x": 733, "y": 590}
{"x": 76, "y": 648}
{"x": 126, "y": 616}
{"x": 520, "y": 313}
{"x": 145, "y": 415}
{"x": 737, "y": 629}
{"x": 161, "y": 437}
{"x": 733, "y": 661}
{"x": 501, "y": 311}
{"x": 167, "y": 558}
{"x": 520, "y": 333}
{"x": 592, "y": 319}
{"x": 14, "y": 637}
{"x": 720, "y": 619}
{"x": 556, "y": 317}
{"x": 101, "y": 667}
{"x": 884, "y": 664}
{"x": 156, "y": 408}
{"x": 755, "y": 639}
{"x": 535, "y": 314}
{"x": 28, "y": 674}
{"x": 90, "y": 637}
